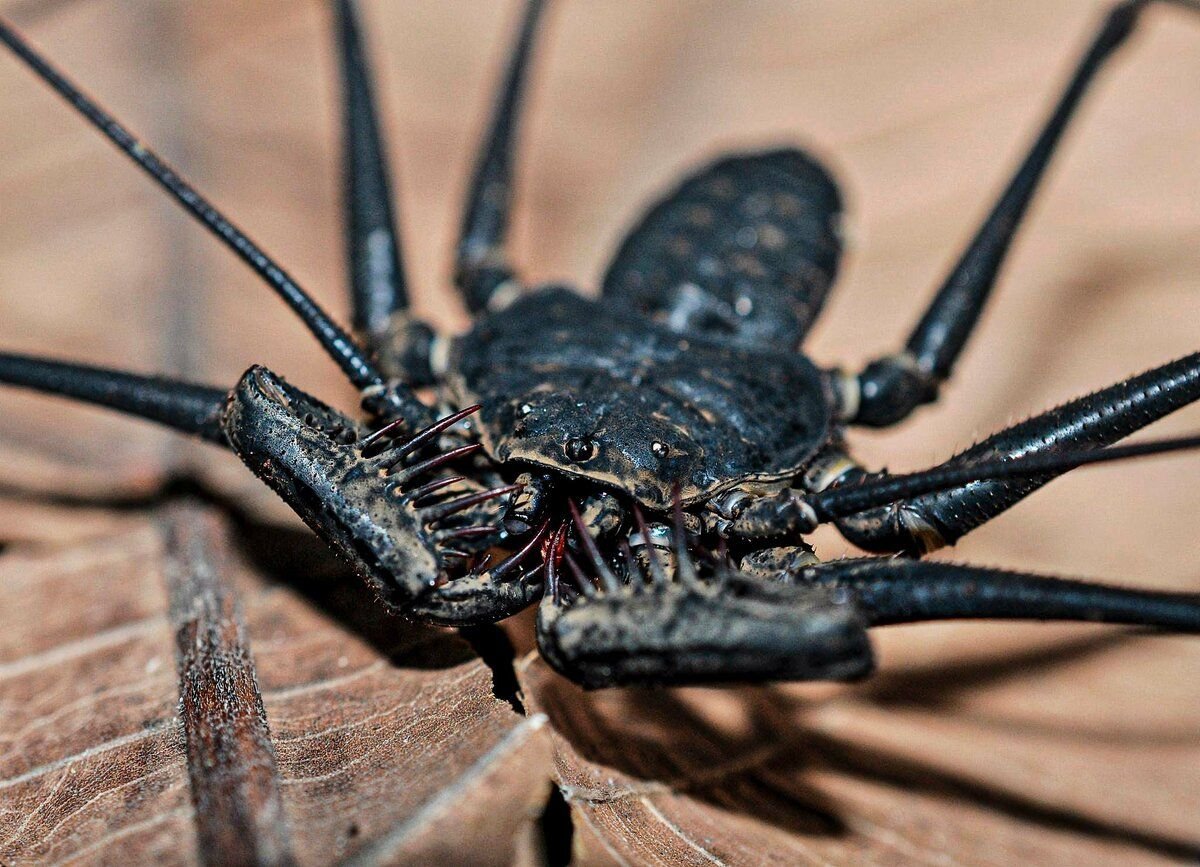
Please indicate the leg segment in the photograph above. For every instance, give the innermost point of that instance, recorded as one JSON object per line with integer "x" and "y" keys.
{"x": 904, "y": 591}
{"x": 377, "y": 286}
{"x": 189, "y": 408}
{"x": 889, "y": 389}
{"x": 482, "y": 265}
{"x": 335, "y": 341}
{"x": 922, "y": 523}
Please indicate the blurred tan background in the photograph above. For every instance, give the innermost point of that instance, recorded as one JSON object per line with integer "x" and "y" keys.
{"x": 921, "y": 109}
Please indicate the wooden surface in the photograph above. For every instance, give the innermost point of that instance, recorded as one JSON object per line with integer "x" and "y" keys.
{"x": 976, "y": 744}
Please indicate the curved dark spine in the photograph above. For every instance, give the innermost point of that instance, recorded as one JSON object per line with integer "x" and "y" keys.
{"x": 372, "y": 242}
{"x": 482, "y": 263}
{"x": 184, "y": 406}
{"x": 903, "y": 591}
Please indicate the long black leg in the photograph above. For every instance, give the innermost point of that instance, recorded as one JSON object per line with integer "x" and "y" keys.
{"x": 372, "y": 243}
{"x": 483, "y": 265}
{"x": 378, "y": 289}
{"x": 923, "y": 523}
{"x": 357, "y": 366}
{"x": 335, "y": 341}
{"x": 905, "y": 591}
{"x": 183, "y": 406}
{"x": 889, "y": 389}
{"x": 843, "y": 500}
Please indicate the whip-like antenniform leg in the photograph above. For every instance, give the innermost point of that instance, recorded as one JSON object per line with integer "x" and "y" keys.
{"x": 376, "y": 267}
{"x": 378, "y": 290}
{"x": 889, "y": 389}
{"x": 483, "y": 265}
{"x": 357, "y": 366}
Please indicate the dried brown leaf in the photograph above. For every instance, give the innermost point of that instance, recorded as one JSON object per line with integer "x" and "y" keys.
{"x": 390, "y": 753}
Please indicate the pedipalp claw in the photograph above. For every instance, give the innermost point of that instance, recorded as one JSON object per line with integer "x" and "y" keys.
{"x": 702, "y": 622}
{"x": 379, "y": 511}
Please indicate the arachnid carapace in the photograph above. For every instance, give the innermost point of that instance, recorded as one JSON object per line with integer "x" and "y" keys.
{"x": 644, "y": 465}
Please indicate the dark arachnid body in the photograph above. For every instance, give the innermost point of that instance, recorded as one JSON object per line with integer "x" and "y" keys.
{"x": 646, "y": 463}
{"x": 644, "y": 407}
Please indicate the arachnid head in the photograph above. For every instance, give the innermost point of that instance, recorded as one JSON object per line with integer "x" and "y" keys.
{"x": 688, "y": 630}
{"x": 577, "y": 389}
{"x": 377, "y": 506}
{"x": 585, "y": 433}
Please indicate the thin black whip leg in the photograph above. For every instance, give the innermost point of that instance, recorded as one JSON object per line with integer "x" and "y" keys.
{"x": 380, "y": 398}
{"x": 378, "y": 290}
{"x": 336, "y": 342}
{"x": 482, "y": 265}
{"x": 183, "y": 406}
{"x": 890, "y": 591}
{"x": 922, "y": 523}
{"x": 889, "y": 389}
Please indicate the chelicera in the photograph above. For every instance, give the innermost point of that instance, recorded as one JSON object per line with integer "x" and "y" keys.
{"x": 644, "y": 465}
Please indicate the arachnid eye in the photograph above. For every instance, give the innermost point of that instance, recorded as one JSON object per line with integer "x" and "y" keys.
{"x": 661, "y": 450}
{"x": 580, "y": 448}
